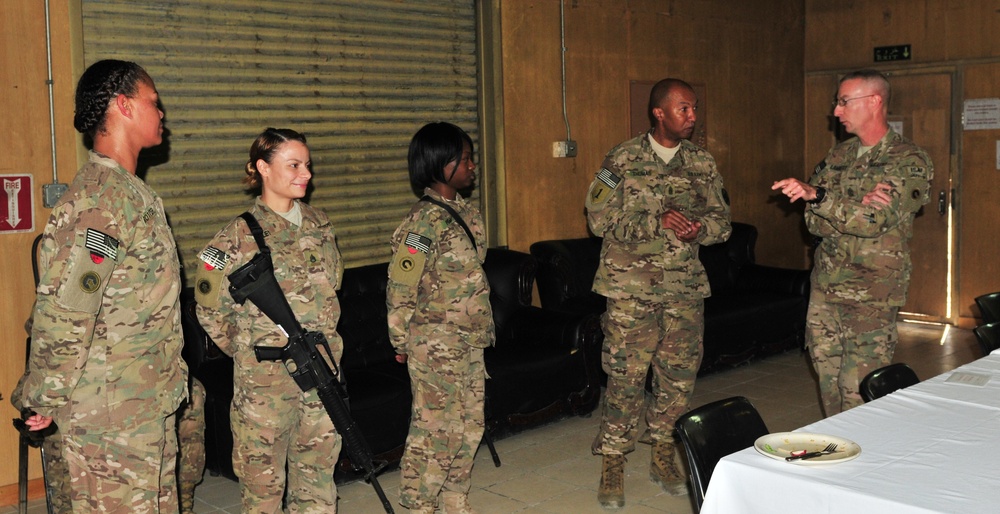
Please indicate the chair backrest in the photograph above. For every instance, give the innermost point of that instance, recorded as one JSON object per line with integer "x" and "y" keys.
{"x": 988, "y": 336}
{"x": 712, "y": 431}
{"x": 885, "y": 380}
{"x": 989, "y": 307}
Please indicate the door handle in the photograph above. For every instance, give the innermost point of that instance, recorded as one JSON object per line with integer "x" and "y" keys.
{"x": 942, "y": 203}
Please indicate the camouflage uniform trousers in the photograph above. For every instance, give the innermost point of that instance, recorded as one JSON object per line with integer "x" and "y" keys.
{"x": 57, "y": 492}
{"x": 847, "y": 341}
{"x": 447, "y": 421}
{"x": 191, "y": 439}
{"x": 303, "y": 437}
{"x": 133, "y": 471}
{"x": 639, "y": 335}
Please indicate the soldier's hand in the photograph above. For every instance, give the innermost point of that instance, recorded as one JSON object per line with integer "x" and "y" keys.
{"x": 401, "y": 358}
{"x": 684, "y": 229}
{"x": 878, "y": 197}
{"x": 37, "y": 422}
{"x": 795, "y": 189}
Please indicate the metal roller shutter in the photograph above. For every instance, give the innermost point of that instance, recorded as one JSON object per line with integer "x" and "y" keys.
{"x": 357, "y": 77}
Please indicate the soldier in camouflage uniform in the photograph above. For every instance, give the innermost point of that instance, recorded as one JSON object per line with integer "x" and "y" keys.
{"x": 440, "y": 320}
{"x": 191, "y": 452}
{"x": 191, "y": 439}
{"x": 274, "y": 423}
{"x": 861, "y": 202}
{"x": 656, "y": 199}
{"x": 105, "y": 360}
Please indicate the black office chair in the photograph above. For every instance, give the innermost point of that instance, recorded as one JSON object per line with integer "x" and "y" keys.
{"x": 885, "y": 380}
{"x": 711, "y": 432}
{"x": 988, "y": 336}
{"x": 989, "y": 307}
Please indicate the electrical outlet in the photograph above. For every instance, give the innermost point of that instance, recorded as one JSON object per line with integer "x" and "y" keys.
{"x": 564, "y": 148}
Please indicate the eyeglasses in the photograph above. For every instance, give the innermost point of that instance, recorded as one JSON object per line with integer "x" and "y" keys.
{"x": 843, "y": 101}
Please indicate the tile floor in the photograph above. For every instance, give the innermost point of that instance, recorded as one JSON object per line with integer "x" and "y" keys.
{"x": 550, "y": 469}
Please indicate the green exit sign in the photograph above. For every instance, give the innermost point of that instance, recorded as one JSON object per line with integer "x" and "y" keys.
{"x": 892, "y": 53}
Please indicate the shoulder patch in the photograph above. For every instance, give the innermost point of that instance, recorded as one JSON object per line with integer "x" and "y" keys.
{"x": 417, "y": 242}
{"x": 602, "y": 188}
{"x": 101, "y": 244}
{"x": 213, "y": 258}
{"x": 408, "y": 264}
{"x": 609, "y": 178}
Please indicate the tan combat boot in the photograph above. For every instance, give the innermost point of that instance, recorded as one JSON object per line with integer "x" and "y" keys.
{"x": 663, "y": 470}
{"x": 455, "y": 503}
{"x": 611, "y": 494}
{"x": 186, "y": 496}
{"x": 423, "y": 509}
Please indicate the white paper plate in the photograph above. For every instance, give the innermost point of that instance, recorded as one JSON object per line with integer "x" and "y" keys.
{"x": 781, "y": 444}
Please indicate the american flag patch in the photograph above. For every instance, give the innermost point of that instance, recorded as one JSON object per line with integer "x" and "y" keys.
{"x": 214, "y": 257}
{"x": 608, "y": 178}
{"x": 102, "y": 244}
{"x": 418, "y": 242}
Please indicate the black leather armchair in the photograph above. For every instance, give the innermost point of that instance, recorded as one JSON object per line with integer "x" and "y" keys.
{"x": 754, "y": 310}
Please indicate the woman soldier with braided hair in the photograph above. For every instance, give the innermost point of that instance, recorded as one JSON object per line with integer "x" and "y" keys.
{"x": 105, "y": 361}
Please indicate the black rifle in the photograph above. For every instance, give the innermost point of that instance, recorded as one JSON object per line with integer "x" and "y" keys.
{"x": 301, "y": 356}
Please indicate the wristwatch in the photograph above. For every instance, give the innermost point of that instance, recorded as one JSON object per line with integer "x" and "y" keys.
{"x": 820, "y": 195}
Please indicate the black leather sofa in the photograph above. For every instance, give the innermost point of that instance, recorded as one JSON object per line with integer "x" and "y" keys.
{"x": 542, "y": 367}
{"x": 754, "y": 310}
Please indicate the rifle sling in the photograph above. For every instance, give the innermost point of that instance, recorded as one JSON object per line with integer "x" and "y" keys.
{"x": 427, "y": 198}
{"x": 256, "y": 230}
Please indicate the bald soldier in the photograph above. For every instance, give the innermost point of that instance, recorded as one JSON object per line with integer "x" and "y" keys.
{"x": 860, "y": 201}
{"x": 656, "y": 200}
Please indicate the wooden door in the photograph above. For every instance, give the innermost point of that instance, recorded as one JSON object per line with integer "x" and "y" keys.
{"x": 921, "y": 109}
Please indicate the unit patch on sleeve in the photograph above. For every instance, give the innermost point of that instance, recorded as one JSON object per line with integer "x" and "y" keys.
{"x": 411, "y": 257}
{"x": 91, "y": 262}
{"x": 603, "y": 186}
{"x": 208, "y": 281}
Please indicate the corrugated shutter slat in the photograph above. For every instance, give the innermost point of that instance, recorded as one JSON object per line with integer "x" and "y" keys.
{"x": 358, "y": 77}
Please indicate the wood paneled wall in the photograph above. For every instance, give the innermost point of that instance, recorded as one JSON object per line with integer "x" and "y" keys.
{"x": 958, "y": 37}
{"x": 747, "y": 55}
{"x": 24, "y": 102}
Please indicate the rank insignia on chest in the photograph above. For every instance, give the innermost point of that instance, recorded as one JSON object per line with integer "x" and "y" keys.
{"x": 213, "y": 258}
{"x": 417, "y": 243}
{"x": 101, "y": 246}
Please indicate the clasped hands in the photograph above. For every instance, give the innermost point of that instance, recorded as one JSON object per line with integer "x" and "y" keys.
{"x": 685, "y": 229}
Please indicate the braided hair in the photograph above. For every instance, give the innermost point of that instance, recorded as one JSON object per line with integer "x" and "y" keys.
{"x": 98, "y": 87}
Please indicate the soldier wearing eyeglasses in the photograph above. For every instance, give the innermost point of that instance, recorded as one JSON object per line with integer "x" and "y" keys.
{"x": 860, "y": 203}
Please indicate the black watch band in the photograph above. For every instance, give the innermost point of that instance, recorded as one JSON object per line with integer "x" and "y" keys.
{"x": 820, "y": 195}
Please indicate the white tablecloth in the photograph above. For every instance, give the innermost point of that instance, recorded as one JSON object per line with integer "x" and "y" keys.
{"x": 933, "y": 447}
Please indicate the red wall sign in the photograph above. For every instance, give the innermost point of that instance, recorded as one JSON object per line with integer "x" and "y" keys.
{"x": 17, "y": 204}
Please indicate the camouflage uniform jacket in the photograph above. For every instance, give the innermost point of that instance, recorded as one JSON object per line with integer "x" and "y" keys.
{"x": 639, "y": 258}
{"x": 307, "y": 266}
{"x": 437, "y": 285}
{"x": 864, "y": 255}
{"x": 106, "y": 335}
